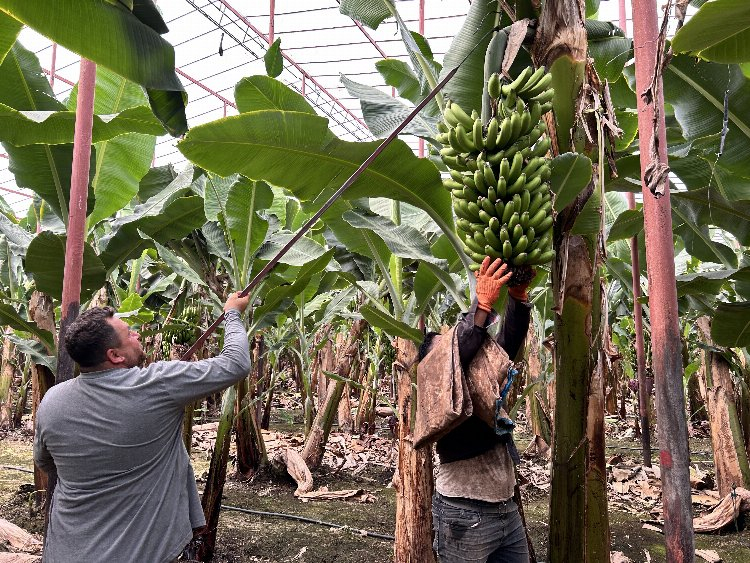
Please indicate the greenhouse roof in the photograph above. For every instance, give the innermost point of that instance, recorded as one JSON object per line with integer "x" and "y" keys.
{"x": 218, "y": 42}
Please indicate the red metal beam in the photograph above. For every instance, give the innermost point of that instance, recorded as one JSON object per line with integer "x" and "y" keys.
{"x": 291, "y": 61}
{"x": 11, "y": 191}
{"x": 53, "y": 65}
{"x": 58, "y": 77}
{"x": 666, "y": 349}
{"x": 206, "y": 88}
{"x": 76, "y": 220}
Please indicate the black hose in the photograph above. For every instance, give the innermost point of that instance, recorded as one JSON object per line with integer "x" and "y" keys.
{"x": 308, "y": 520}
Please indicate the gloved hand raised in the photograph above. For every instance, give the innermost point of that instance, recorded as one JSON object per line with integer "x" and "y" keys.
{"x": 490, "y": 279}
{"x": 520, "y": 292}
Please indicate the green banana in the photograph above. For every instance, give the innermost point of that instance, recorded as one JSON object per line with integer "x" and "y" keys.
{"x": 540, "y": 86}
{"x": 442, "y": 127}
{"x": 537, "y": 219}
{"x": 479, "y": 182}
{"x": 456, "y": 175}
{"x": 516, "y": 122}
{"x": 487, "y": 205}
{"x": 493, "y": 128}
{"x": 492, "y": 194}
{"x": 517, "y": 233}
{"x": 473, "y": 246}
{"x": 450, "y": 184}
{"x": 463, "y": 117}
{"x": 473, "y": 210}
{"x": 544, "y": 97}
{"x": 541, "y": 148}
{"x": 470, "y": 194}
{"x": 533, "y": 184}
{"x": 485, "y": 217}
{"x": 492, "y": 238}
{"x": 514, "y": 219}
{"x": 495, "y": 158}
{"x": 503, "y": 137}
{"x": 545, "y": 224}
{"x": 450, "y": 118}
{"x": 518, "y": 185}
{"x": 534, "y": 256}
{"x": 525, "y": 200}
{"x": 491, "y": 252}
{"x": 536, "y": 203}
{"x": 479, "y": 238}
{"x": 530, "y": 234}
{"x": 546, "y": 257}
{"x": 515, "y": 168}
{"x": 507, "y": 249}
{"x": 503, "y": 235}
{"x": 499, "y": 208}
{"x": 502, "y": 189}
{"x": 532, "y": 81}
{"x": 507, "y": 213}
{"x": 489, "y": 176}
{"x": 493, "y": 86}
{"x": 464, "y": 141}
{"x": 477, "y": 135}
{"x": 524, "y": 220}
{"x": 520, "y": 260}
{"x": 458, "y": 194}
{"x": 468, "y": 180}
{"x": 521, "y": 245}
{"x": 494, "y": 224}
{"x": 518, "y": 82}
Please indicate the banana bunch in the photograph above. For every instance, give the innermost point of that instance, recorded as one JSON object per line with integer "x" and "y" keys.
{"x": 499, "y": 172}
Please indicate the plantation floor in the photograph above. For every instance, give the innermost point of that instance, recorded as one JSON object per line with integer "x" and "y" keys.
{"x": 250, "y": 538}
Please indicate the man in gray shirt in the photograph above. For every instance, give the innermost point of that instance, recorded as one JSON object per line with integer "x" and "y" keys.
{"x": 126, "y": 491}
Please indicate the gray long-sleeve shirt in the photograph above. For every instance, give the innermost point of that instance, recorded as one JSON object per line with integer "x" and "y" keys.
{"x": 126, "y": 490}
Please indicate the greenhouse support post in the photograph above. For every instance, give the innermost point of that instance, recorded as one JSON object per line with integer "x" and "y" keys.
{"x": 674, "y": 456}
{"x": 76, "y": 231}
{"x": 644, "y": 390}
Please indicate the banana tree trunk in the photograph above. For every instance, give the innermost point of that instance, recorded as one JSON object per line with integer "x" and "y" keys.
{"x": 365, "y": 419}
{"x": 413, "y": 481}
{"x": 42, "y": 312}
{"x": 23, "y": 396}
{"x": 6, "y": 384}
{"x": 674, "y": 454}
{"x": 217, "y": 476}
{"x": 730, "y": 453}
{"x": 321, "y": 427}
{"x": 251, "y": 449}
{"x": 259, "y": 382}
{"x": 579, "y": 529}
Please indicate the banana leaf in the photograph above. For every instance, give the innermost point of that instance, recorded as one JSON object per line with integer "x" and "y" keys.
{"x": 628, "y": 224}
{"x": 123, "y": 161}
{"x": 273, "y": 59}
{"x": 465, "y": 88}
{"x": 730, "y": 325}
{"x": 392, "y": 326}
{"x": 9, "y": 30}
{"x": 118, "y": 41}
{"x": 10, "y": 317}
{"x": 43, "y": 169}
{"x": 571, "y": 173}
{"x": 178, "y": 265}
{"x": 695, "y": 89}
{"x": 429, "y": 279}
{"x": 45, "y": 262}
{"x": 718, "y": 32}
{"x": 383, "y": 113}
{"x": 369, "y": 12}
{"x": 259, "y": 92}
{"x": 155, "y": 180}
{"x": 609, "y": 48}
{"x": 18, "y": 239}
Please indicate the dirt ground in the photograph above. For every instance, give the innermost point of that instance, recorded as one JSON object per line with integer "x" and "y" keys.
{"x": 262, "y": 538}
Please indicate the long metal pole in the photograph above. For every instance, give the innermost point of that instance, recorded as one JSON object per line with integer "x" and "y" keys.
{"x": 674, "y": 455}
{"x": 271, "y": 18}
{"x": 644, "y": 389}
{"x": 421, "y": 32}
{"x": 76, "y": 232}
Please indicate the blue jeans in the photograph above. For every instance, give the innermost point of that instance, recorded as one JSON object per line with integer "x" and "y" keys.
{"x": 469, "y": 530}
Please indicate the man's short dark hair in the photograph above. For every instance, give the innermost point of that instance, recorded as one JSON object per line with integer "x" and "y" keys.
{"x": 90, "y": 336}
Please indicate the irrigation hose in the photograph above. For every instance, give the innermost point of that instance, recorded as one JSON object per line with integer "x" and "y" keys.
{"x": 364, "y": 533}
{"x": 357, "y": 173}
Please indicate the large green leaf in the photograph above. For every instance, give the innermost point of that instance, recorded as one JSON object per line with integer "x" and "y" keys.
{"x": 118, "y": 41}
{"x": 695, "y": 89}
{"x": 710, "y": 282}
{"x": 22, "y": 128}
{"x": 294, "y": 150}
{"x": 392, "y": 326}
{"x": 706, "y": 207}
{"x": 181, "y": 217}
{"x": 304, "y": 251}
{"x": 18, "y": 239}
{"x": 273, "y": 59}
{"x": 369, "y": 12}
{"x": 155, "y": 180}
{"x": 247, "y": 229}
{"x": 429, "y": 278}
{"x": 731, "y": 325}
{"x": 383, "y": 113}
{"x": 45, "y": 262}
{"x": 121, "y": 162}
{"x": 38, "y": 353}
{"x": 609, "y": 48}
{"x": 628, "y": 224}
{"x": 9, "y": 30}
{"x": 259, "y": 92}
{"x": 10, "y": 317}
{"x": 402, "y": 240}
{"x": 471, "y": 41}
{"x": 178, "y": 265}
{"x": 571, "y": 173}
{"x": 400, "y": 76}
{"x": 700, "y": 169}
{"x": 42, "y": 168}
{"x": 719, "y": 31}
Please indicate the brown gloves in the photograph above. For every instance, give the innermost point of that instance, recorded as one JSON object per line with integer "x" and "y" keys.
{"x": 490, "y": 279}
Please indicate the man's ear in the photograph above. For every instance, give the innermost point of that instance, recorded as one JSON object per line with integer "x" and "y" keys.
{"x": 114, "y": 357}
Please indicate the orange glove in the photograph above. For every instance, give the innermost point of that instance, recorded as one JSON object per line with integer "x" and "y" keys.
{"x": 520, "y": 292}
{"x": 490, "y": 279}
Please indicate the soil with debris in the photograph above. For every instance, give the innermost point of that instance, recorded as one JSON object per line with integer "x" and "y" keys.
{"x": 364, "y": 465}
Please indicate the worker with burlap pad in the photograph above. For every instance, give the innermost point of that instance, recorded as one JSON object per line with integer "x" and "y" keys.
{"x": 462, "y": 379}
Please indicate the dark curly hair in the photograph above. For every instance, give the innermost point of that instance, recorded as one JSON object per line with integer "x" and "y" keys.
{"x": 90, "y": 336}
